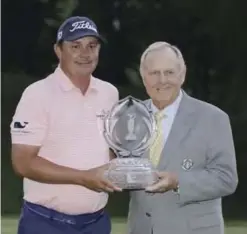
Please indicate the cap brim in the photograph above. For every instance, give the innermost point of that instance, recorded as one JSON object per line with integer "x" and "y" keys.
{"x": 76, "y": 37}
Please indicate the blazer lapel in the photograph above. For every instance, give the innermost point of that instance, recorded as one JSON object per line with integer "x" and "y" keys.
{"x": 183, "y": 123}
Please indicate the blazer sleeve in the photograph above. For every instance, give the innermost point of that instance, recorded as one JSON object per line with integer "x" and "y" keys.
{"x": 219, "y": 177}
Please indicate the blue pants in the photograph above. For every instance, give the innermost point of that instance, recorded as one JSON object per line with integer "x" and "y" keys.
{"x": 36, "y": 219}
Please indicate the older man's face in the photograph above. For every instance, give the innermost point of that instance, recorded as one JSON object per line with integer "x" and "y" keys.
{"x": 163, "y": 76}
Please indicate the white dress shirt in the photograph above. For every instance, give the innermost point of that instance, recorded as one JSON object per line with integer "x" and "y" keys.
{"x": 170, "y": 113}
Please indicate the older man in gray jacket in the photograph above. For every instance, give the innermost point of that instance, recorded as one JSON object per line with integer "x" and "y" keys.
{"x": 194, "y": 152}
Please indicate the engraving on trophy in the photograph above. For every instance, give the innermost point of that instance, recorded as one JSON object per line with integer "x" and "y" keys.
{"x": 131, "y": 125}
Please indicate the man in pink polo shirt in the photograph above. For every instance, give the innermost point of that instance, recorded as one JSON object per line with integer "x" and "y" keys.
{"x": 58, "y": 145}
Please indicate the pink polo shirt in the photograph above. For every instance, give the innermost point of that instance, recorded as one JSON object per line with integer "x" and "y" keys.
{"x": 68, "y": 127}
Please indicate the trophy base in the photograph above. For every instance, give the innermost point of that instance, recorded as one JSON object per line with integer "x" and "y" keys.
{"x": 131, "y": 173}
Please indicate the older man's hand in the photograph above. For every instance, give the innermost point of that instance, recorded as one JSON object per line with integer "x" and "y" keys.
{"x": 167, "y": 181}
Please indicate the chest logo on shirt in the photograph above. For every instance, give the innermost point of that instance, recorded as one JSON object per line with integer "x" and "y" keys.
{"x": 102, "y": 115}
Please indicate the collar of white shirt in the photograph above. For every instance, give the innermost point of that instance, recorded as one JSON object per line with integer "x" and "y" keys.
{"x": 170, "y": 110}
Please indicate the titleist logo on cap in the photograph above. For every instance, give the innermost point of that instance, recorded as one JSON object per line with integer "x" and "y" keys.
{"x": 82, "y": 24}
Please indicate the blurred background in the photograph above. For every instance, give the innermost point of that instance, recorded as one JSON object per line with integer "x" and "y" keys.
{"x": 211, "y": 35}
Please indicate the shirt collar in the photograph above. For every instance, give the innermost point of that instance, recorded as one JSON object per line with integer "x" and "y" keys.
{"x": 172, "y": 108}
{"x": 66, "y": 84}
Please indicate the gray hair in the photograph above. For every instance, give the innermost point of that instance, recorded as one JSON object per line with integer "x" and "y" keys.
{"x": 157, "y": 46}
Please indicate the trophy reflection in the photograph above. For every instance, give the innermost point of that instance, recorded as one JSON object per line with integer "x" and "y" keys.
{"x": 129, "y": 129}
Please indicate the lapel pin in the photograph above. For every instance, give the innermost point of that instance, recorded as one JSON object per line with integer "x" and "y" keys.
{"x": 187, "y": 164}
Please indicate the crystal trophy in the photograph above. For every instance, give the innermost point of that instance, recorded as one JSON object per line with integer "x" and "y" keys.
{"x": 129, "y": 129}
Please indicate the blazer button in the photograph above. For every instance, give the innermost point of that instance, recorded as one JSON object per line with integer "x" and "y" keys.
{"x": 148, "y": 214}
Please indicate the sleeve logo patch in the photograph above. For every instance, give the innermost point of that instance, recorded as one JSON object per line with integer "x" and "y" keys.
{"x": 20, "y": 125}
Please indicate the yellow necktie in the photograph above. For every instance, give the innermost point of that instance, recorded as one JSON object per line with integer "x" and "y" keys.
{"x": 158, "y": 144}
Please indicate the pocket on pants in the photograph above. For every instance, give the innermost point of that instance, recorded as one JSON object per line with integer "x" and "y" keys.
{"x": 32, "y": 223}
{"x": 204, "y": 221}
{"x": 101, "y": 226}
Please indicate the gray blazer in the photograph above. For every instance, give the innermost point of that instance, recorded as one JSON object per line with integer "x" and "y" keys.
{"x": 200, "y": 150}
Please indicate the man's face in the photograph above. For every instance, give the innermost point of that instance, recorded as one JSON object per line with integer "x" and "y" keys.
{"x": 163, "y": 76}
{"x": 79, "y": 57}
